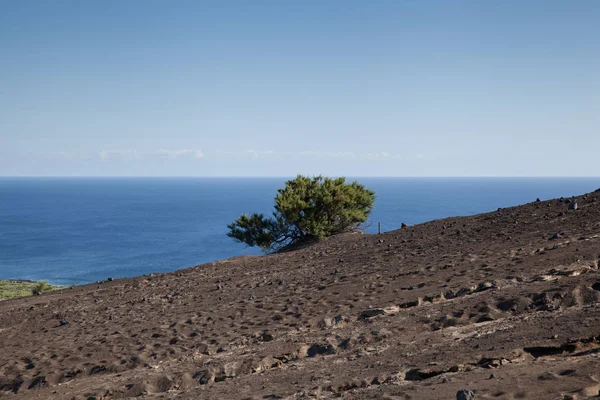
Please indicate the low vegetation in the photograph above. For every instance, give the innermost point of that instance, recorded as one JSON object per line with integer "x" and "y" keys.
{"x": 11, "y": 289}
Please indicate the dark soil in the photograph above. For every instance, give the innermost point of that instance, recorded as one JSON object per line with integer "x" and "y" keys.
{"x": 505, "y": 304}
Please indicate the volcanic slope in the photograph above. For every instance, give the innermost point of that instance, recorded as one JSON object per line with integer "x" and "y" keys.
{"x": 504, "y": 303}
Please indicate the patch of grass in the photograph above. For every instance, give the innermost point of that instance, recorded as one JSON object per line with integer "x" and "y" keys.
{"x": 12, "y": 289}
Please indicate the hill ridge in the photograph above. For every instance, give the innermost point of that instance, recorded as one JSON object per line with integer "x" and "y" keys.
{"x": 504, "y": 303}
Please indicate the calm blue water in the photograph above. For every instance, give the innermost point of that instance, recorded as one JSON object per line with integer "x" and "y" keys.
{"x": 79, "y": 230}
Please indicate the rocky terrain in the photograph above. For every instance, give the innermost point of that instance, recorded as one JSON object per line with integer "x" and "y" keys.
{"x": 505, "y": 304}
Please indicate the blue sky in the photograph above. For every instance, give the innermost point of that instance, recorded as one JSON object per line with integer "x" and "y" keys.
{"x": 276, "y": 88}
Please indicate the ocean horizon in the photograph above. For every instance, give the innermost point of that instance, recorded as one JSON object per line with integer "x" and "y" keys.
{"x": 77, "y": 230}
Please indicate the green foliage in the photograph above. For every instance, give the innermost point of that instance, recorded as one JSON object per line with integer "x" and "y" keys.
{"x": 40, "y": 287}
{"x": 306, "y": 209}
{"x": 12, "y": 289}
{"x": 255, "y": 230}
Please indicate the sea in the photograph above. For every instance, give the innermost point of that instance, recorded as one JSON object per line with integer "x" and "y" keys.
{"x": 81, "y": 230}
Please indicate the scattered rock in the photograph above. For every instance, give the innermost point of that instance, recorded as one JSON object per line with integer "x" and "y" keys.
{"x": 163, "y": 384}
{"x": 484, "y": 286}
{"x": 320, "y": 349}
{"x": 348, "y": 343}
{"x": 410, "y": 304}
{"x": 38, "y": 382}
{"x": 464, "y": 291}
{"x": 370, "y": 313}
{"x": 573, "y": 204}
{"x": 403, "y": 225}
{"x": 96, "y": 369}
{"x": 63, "y": 322}
{"x": 204, "y": 377}
{"x": 13, "y": 385}
{"x": 555, "y": 236}
{"x": 465, "y": 394}
{"x": 484, "y": 318}
{"x": 135, "y": 390}
{"x": 265, "y": 337}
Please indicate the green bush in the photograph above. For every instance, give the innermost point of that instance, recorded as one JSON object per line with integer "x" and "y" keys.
{"x": 40, "y": 287}
{"x": 307, "y": 209}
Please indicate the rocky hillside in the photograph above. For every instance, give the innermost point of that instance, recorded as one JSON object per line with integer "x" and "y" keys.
{"x": 505, "y": 304}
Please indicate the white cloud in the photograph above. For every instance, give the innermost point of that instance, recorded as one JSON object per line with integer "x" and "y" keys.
{"x": 128, "y": 154}
{"x": 253, "y": 154}
{"x": 180, "y": 153}
{"x": 381, "y": 155}
{"x": 330, "y": 154}
{"x": 111, "y": 154}
{"x": 377, "y": 156}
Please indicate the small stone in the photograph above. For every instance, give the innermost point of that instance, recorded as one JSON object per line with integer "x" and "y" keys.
{"x": 573, "y": 204}
{"x": 63, "y": 322}
{"x": 484, "y": 286}
{"x": 370, "y": 313}
{"x": 403, "y": 225}
{"x": 537, "y": 200}
{"x": 465, "y": 394}
{"x": 110, "y": 279}
{"x": 320, "y": 349}
{"x": 555, "y": 236}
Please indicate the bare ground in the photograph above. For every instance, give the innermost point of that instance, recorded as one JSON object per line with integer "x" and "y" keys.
{"x": 495, "y": 303}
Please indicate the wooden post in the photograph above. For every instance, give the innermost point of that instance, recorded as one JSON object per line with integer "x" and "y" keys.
{"x": 379, "y": 228}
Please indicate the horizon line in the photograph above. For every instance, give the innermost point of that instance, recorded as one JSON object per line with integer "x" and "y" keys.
{"x": 312, "y": 175}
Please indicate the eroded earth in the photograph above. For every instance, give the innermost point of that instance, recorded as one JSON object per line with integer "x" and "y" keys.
{"x": 505, "y": 304}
